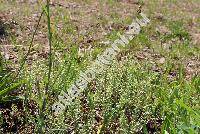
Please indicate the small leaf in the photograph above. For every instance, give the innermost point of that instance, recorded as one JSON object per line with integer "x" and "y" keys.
{"x": 12, "y": 98}
{"x": 9, "y": 89}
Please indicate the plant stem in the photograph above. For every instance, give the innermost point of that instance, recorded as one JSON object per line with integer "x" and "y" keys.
{"x": 42, "y": 112}
{"x": 30, "y": 47}
{"x": 50, "y": 46}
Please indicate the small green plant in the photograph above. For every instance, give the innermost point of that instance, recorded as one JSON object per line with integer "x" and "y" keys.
{"x": 5, "y": 86}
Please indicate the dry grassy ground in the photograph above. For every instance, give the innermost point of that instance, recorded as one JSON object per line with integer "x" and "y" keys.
{"x": 164, "y": 58}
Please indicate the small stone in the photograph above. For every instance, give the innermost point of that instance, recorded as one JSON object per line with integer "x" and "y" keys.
{"x": 7, "y": 56}
{"x": 162, "y": 60}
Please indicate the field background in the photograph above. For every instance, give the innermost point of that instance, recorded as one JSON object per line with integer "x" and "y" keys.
{"x": 152, "y": 86}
